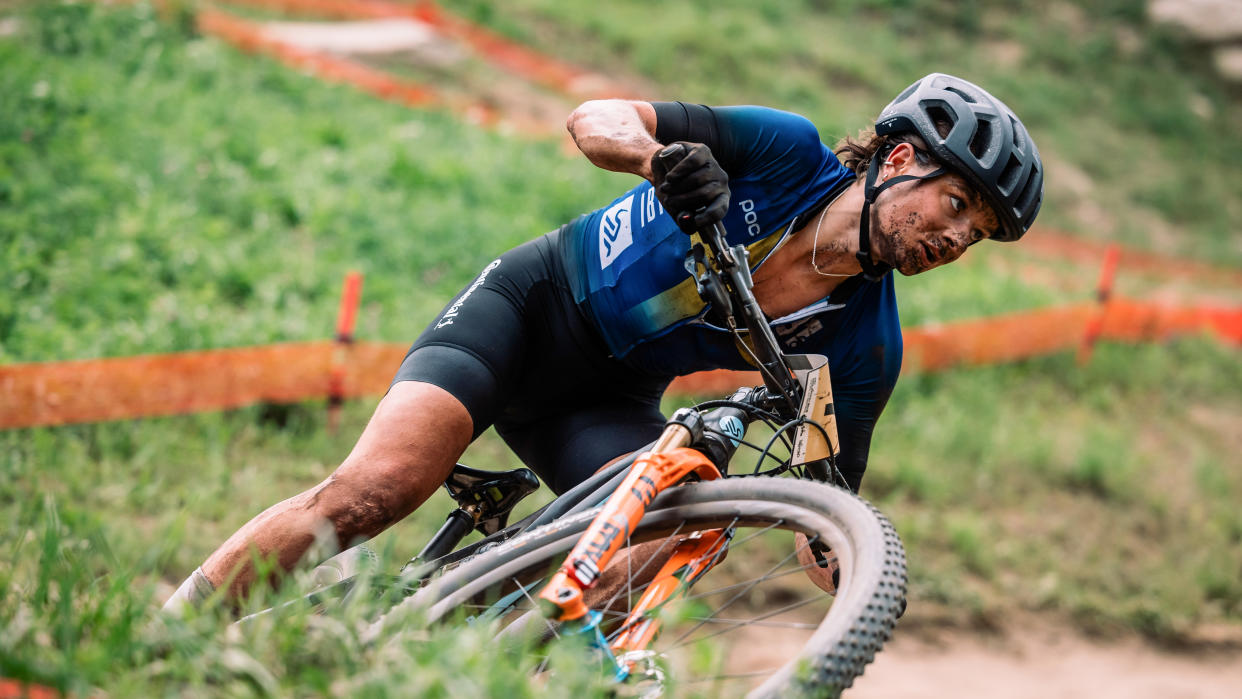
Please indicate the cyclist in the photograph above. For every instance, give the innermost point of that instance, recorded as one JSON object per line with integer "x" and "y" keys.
{"x": 566, "y": 343}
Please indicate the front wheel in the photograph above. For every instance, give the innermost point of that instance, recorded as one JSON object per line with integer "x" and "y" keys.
{"x": 770, "y": 629}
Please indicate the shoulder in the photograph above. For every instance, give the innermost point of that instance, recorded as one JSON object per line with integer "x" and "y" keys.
{"x": 775, "y": 120}
{"x": 742, "y": 137}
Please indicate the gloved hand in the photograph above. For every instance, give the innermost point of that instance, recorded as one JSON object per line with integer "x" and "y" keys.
{"x": 691, "y": 185}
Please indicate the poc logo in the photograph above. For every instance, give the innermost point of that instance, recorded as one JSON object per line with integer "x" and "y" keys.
{"x": 751, "y": 218}
{"x": 614, "y": 231}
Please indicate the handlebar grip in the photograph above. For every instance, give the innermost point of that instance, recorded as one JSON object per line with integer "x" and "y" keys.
{"x": 670, "y": 156}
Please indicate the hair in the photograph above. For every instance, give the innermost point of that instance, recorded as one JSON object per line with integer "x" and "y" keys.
{"x": 856, "y": 153}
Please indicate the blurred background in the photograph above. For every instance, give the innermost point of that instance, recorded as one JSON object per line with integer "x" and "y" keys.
{"x": 182, "y": 176}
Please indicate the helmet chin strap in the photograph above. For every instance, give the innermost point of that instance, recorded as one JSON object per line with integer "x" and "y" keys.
{"x": 874, "y": 271}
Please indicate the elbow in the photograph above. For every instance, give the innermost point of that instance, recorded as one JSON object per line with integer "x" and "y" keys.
{"x": 585, "y": 112}
{"x": 572, "y": 120}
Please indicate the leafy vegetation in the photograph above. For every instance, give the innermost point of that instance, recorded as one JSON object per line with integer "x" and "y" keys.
{"x": 159, "y": 191}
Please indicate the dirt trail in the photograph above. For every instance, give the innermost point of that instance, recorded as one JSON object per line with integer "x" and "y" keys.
{"x": 1046, "y": 662}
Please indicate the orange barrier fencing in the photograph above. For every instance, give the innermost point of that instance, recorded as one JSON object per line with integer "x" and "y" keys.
{"x": 1050, "y": 243}
{"x": 504, "y": 53}
{"x": 351, "y": 295}
{"x": 250, "y": 37}
{"x": 1017, "y": 336}
{"x": 13, "y": 689}
{"x": 109, "y": 389}
{"x": 58, "y": 393}
{"x": 1047, "y": 331}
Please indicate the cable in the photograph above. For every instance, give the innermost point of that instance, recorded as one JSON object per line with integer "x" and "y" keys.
{"x": 742, "y": 442}
{"x": 771, "y": 442}
{"x": 768, "y": 377}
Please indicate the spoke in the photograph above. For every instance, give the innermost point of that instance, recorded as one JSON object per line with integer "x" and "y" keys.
{"x": 761, "y": 617}
{"x": 644, "y": 566}
{"x": 543, "y": 665}
{"x": 756, "y": 622}
{"x": 734, "y": 586}
{"x": 683, "y": 586}
{"x": 752, "y": 535}
{"x": 734, "y": 676}
{"x": 730, "y": 544}
{"x": 725, "y": 543}
{"x": 535, "y": 607}
{"x": 748, "y": 588}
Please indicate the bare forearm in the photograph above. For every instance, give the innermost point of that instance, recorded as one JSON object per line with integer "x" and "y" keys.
{"x": 616, "y": 135}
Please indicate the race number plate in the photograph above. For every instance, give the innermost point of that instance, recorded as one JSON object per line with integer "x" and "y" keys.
{"x": 809, "y": 443}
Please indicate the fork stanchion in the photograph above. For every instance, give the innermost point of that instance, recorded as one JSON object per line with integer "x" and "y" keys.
{"x": 351, "y": 293}
{"x": 1103, "y": 296}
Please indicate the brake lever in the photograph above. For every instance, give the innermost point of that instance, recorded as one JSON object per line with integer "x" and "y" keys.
{"x": 708, "y": 283}
{"x": 733, "y": 262}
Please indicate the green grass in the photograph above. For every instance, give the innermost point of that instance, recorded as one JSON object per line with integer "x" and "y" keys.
{"x": 159, "y": 191}
{"x": 167, "y": 193}
{"x": 1104, "y": 492}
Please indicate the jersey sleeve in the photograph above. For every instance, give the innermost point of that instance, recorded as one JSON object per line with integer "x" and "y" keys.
{"x": 746, "y": 140}
{"x": 858, "y": 404}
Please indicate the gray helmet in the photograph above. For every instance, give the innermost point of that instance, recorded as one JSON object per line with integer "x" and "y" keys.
{"x": 986, "y": 144}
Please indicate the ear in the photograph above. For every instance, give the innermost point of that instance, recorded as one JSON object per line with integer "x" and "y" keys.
{"x": 900, "y": 161}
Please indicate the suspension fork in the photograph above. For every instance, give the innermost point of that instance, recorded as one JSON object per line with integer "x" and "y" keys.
{"x": 693, "y": 556}
{"x": 668, "y": 463}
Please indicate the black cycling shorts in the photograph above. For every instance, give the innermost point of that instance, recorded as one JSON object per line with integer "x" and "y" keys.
{"x": 517, "y": 351}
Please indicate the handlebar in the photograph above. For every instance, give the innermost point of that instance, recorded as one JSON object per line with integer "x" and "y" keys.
{"x": 733, "y": 265}
{"x": 728, "y": 284}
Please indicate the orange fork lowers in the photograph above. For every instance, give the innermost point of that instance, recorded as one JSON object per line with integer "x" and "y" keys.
{"x": 694, "y": 556}
{"x": 651, "y": 473}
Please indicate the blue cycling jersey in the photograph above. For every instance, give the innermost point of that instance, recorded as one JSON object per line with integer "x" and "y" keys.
{"x": 626, "y": 263}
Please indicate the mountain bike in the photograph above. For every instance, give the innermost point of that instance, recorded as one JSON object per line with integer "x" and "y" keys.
{"x": 657, "y": 560}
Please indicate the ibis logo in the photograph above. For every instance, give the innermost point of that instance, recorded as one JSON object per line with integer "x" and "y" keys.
{"x": 733, "y": 427}
{"x": 615, "y": 234}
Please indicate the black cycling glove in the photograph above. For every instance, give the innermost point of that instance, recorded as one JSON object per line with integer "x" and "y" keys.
{"x": 691, "y": 185}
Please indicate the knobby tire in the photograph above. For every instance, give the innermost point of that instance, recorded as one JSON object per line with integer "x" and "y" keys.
{"x": 869, "y": 599}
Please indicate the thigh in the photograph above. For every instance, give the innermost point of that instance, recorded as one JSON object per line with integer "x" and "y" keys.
{"x": 477, "y": 346}
{"x": 567, "y": 448}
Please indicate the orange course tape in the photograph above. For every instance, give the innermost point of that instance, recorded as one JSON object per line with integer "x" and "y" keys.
{"x": 509, "y": 55}
{"x": 250, "y": 36}
{"x": 12, "y": 689}
{"x": 1059, "y": 245}
{"x": 59, "y": 393}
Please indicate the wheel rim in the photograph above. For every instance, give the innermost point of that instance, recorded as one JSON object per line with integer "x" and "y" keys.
{"x": 739, "y": 628}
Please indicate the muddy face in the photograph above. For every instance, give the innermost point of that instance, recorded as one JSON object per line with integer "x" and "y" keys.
{"x": 923, "y": 224}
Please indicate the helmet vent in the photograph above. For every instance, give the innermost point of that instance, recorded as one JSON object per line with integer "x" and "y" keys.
{"x": 1018, "y": 131}
{"x": 1009, "y": 176}
{"x": 943, "y": 119}
{"x": 1030, "y": 190}
{"x": 982, "y": 139}
{"x": 962, "y": 94}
